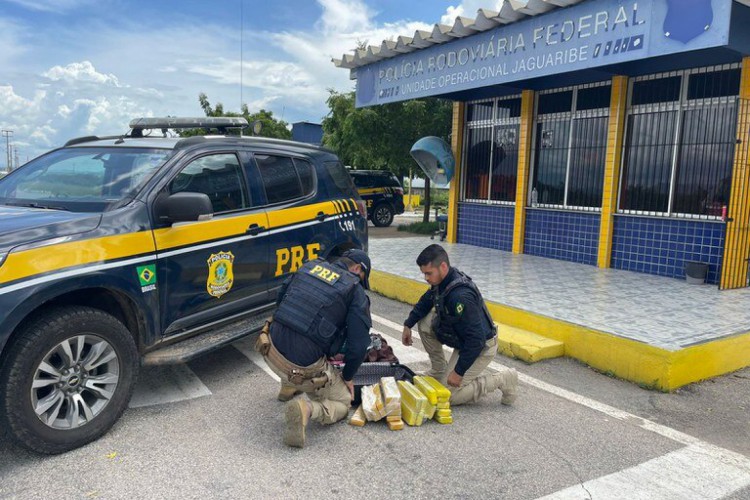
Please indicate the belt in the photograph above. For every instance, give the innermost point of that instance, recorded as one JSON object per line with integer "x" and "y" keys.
{"x": 313, "y": 376}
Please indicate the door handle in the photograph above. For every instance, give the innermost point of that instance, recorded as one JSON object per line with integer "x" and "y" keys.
{"x": 255, "y": 229}
{"x": 321, "y": 216}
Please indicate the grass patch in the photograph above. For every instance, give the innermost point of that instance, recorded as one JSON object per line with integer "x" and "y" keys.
{"x": 419, "y": 227}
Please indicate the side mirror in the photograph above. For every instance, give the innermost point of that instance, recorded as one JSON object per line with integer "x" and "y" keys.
{"x": 183, "y": 207}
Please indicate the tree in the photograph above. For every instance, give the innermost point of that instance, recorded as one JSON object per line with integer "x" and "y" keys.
{"x": 271, "y": 126}
{"x": 380, "y": 137}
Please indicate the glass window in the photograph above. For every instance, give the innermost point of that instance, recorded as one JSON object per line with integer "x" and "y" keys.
{"x": 279, "y": 178}
{"x": 714, "y": 84}
{"x": 656, "y": 90}
{"x": 557, "y": 102}
{"x": 551, "y": 160}
{"x": 479, "y": 111}
{"x": 219, "y": 176}
{"x": 704, "y": 166}
{"x": 571, "y": 147}
{"x": 306, "y": 175}
{"x": 678, "y": 156}
{"x": 478, "y": 163}
{"x": 491, "y": 154}
{"x": 505, "y": 163}
{"x": 340, "y": 177}
{"x": 82, "y": 179}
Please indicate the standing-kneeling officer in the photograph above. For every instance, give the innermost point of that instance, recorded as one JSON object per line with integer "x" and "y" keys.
{"x": 460, "y": 320}
{"x": 321, "y": 306}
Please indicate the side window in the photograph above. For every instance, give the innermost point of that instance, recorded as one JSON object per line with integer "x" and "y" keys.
{"x": 306, "y": 174}
{"x": 219, "y": 176}
{"x": 285, "y": 179}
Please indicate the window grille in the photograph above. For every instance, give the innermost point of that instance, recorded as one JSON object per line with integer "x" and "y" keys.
{"x": 679, "y": 143}
{"x": 570, "y": 147}
{"x": 491, "y": 156}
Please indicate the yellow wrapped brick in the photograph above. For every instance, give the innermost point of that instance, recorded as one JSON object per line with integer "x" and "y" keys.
{"x": 444, "y": 413}
{"x": 426, "y": 389}
{"x": 444, "y": 420}
{"x": 443, "y": 393}
{"x": 411, "y": 416}
{"x": 396, "y": 425}
{"x": 411, "y": 396}
{"x": 394, "y": 418}
{"x": 358, "y": 417}
{"x": 391, "y": 396}
{"x": 443, "y": 405}
{"x": 429, "y": 411}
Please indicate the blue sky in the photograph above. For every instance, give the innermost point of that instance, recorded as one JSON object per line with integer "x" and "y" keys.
{"x": 82, "y": 67}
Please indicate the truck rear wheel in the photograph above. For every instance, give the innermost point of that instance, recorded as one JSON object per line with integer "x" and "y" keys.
{"x": 67, "y": 379}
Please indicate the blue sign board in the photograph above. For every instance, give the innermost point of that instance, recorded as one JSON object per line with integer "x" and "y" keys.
{"x": 588, "y": 35}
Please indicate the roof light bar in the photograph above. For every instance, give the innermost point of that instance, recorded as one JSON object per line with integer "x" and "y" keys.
{"x": 222, "y": 122}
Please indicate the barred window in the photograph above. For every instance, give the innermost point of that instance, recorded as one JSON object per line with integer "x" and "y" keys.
{"x": 679, "y": 144}
{"x": 491, "y": 159}
{"x": 570, "y": 149}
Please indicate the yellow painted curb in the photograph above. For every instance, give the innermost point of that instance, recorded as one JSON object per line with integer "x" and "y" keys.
{"x": 649, "y": 366}
{"x": 526, "y": 345}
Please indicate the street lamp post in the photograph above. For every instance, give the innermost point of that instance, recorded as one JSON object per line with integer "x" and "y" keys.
{"x": 8, "y": 158}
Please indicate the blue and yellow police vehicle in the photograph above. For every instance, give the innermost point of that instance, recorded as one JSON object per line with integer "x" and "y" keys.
{"x": 144, "y": 249}
{"x": 383, "y": 195}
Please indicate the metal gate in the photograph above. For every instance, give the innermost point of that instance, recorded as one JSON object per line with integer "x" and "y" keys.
{"x": 734, "y": 270}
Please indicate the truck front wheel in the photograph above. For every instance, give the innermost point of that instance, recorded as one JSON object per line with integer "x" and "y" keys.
{"x": 67, "y": 379}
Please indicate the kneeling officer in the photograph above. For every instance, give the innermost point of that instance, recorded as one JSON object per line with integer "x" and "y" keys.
{"x": 321, "y": 306}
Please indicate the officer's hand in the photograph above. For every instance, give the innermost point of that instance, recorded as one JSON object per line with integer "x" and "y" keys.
{"x": 350, "y": 385}
{"x": 454, "y": 379}
{"x": 406, "y": 336}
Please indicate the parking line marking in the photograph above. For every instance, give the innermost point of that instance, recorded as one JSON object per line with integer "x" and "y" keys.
{"x": 167, "y": 384}
{"x": 709, "y": 450}
{"x": 682, "y": 474}
{"x": 247, "y": 347}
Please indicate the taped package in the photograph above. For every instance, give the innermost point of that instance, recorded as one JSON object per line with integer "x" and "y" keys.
{"x": 413, "y": 403}
{"x": 358, "y": 417}
{"x": 391, "y": 396}
{"x": 372, "y": 402}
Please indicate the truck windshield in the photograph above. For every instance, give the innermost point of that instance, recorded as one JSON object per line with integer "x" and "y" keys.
{"x": 82, "y": 179}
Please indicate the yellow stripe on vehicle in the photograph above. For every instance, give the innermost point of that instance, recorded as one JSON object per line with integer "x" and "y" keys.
{"x": 213, "y": 229}
{"x": 83, "y": 252}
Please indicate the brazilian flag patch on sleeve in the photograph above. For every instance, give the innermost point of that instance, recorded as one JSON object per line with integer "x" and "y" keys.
{"x": 459, "y": 309}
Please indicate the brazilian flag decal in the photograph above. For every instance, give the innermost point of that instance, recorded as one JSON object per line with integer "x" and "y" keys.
{"x": 147, "y": 277}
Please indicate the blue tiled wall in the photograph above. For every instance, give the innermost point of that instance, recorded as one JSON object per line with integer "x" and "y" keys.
{"x": 661, "y": 246}
{"x": 572, "y": 236}
{"x": 488, "y": 226}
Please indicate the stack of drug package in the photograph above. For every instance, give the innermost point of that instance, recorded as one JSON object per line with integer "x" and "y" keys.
{"x": 378, "y": 401}
{"x": 413, "y": 403}
{"x": 438, "y": 399}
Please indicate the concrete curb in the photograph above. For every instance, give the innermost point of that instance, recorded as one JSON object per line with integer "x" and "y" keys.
{"x": 649, "y": 366}
{"x": 525, "y": 345}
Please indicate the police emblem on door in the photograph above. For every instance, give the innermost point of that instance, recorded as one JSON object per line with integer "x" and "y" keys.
{"x": 220, "y": 273}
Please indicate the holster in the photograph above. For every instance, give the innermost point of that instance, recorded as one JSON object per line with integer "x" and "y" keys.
{"x": 263, "y": 343}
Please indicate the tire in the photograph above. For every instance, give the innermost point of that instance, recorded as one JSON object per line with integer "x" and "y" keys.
{"x": 382, "y": 216}
{"x": 67, "y": 379}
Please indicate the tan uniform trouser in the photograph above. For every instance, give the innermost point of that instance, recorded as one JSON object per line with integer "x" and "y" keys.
{"x": 476, "y": 381}
{"x": 331, "y": 402}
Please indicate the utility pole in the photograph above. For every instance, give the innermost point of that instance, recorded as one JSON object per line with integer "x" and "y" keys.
{"x": 8, "y": 158}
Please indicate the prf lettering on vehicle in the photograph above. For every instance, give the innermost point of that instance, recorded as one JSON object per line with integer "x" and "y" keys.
{"x": 324, "y": 274}
{"x": 290, "y": 259}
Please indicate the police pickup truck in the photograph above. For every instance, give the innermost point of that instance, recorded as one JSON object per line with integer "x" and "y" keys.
{"x": 117, "y": 252}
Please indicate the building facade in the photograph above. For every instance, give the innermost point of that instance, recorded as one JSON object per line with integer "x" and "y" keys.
{"x": 612, "y": 133}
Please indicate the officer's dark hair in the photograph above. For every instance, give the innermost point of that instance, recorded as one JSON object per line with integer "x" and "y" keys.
{"x": 433, "y": 254}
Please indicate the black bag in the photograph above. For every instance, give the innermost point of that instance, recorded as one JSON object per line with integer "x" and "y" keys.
{"x": 371, "y": 373}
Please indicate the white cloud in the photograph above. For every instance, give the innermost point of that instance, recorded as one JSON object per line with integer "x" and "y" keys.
{"x": 80, "y": 72}
{"x": 344, "y": 16}
{"x": 468, "y": 8}
{"x": 52, "y": 5}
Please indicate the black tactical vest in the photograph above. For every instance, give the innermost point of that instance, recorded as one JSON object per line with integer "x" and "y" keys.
{"x": 316, "y": 303}
{"x": 443, "y": 324}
